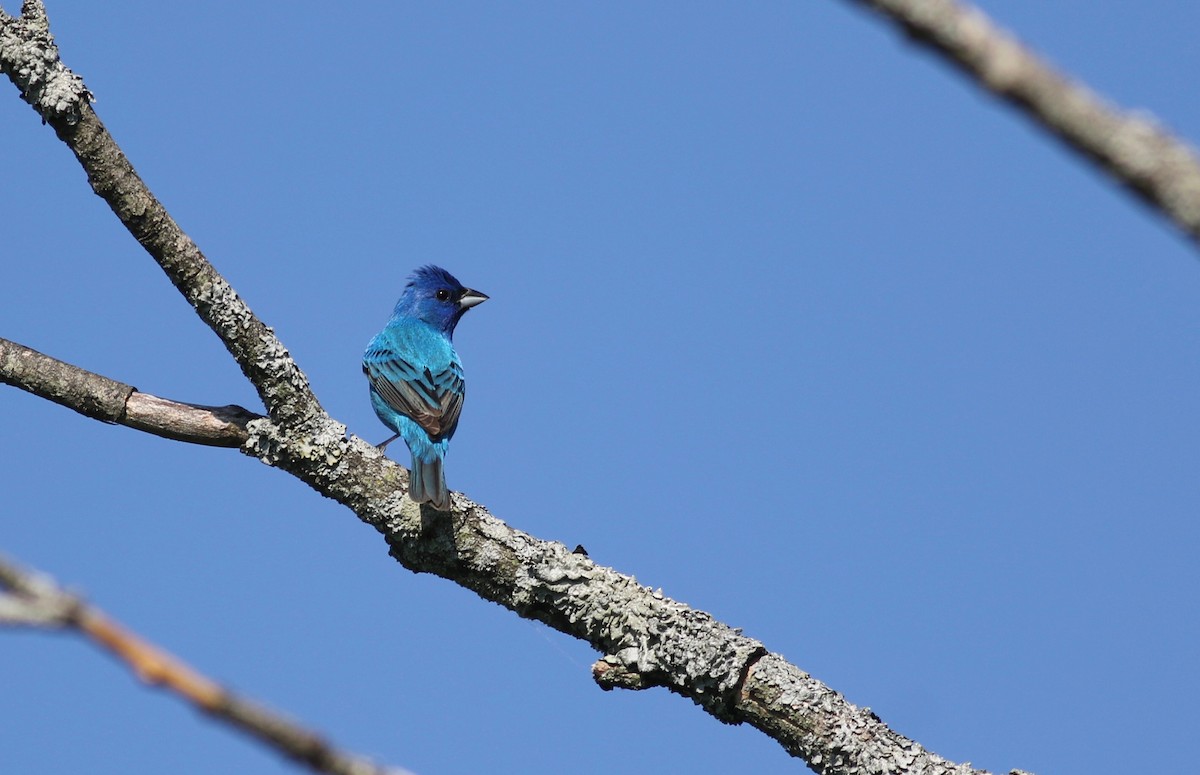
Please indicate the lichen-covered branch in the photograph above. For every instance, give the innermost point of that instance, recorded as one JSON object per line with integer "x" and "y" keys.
{"x": 646, "y": 638}
{"x": 110, "y": 401}
{"x": 35, "y": 600}
{"x": 29, "y": 57}
{"x": 1131, "y": 147}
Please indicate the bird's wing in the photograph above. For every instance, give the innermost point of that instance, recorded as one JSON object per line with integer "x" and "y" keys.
{"x": 431, "y": 399}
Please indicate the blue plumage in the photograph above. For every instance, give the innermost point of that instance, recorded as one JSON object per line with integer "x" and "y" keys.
{"x": 416, "y": 378}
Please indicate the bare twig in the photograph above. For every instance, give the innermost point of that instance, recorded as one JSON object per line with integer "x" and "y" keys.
{"x": 1131, "y": 147}
{"x": 110, "y": 401}
{"x": 35, "y": 600}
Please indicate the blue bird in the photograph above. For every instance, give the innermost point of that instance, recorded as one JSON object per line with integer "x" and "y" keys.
{"x": 416, "y": 378}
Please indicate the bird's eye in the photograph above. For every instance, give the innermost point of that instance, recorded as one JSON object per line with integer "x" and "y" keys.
{"x": 443, "y": 295}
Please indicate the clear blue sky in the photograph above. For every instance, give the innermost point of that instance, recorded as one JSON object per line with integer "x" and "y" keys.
{"x": 786, "y": 319}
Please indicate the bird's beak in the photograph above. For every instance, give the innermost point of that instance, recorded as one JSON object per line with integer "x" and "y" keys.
{"x": 470, "y": 298}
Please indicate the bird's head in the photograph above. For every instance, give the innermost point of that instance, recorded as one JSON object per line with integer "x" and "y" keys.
{"x": 434, "y": 296}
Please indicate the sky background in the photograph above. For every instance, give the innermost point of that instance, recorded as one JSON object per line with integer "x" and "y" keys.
{"x": 786, "y": 318}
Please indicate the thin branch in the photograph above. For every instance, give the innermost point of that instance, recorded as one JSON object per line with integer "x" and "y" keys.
{"x": 35, "y": 600}
{"x": 1130, "y": 147}
{"x": 29, "y": 57}
{"x": 110, "y": 401}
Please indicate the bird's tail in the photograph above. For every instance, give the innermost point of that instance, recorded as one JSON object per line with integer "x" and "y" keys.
{"x": 427, "y": 483}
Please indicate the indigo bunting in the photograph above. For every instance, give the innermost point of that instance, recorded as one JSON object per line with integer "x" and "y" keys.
{"x": 416, "y": 378}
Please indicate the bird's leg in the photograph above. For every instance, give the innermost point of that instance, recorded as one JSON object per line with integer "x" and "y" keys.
{"x": 383, "y": 446}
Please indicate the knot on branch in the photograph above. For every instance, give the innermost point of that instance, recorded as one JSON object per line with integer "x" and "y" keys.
{"x": 29, "y": 57}
{"x": 614, "y": 672}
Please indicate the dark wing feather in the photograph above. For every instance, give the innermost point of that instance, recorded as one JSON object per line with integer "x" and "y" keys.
{"x": 431, "y": 400}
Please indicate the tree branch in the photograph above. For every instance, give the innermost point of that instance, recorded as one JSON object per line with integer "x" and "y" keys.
{"x": 34, "y": 600}
{"x": 1132, "y": 148}
{"x": 110, "y": 401}
{"x": 648, "y": 639}
{"x": 29, "y": 57}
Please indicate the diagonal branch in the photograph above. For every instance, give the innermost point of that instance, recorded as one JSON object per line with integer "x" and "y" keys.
{"x": 34, "y": 600}
{"x": 1130, "y": 147}
{"x": 647, "y": 638}
{"x": 29, "y": 57}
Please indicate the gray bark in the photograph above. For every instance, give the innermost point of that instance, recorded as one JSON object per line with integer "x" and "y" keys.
{"x": 1132, "y": 148}
{"x": 647, "y": 639}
